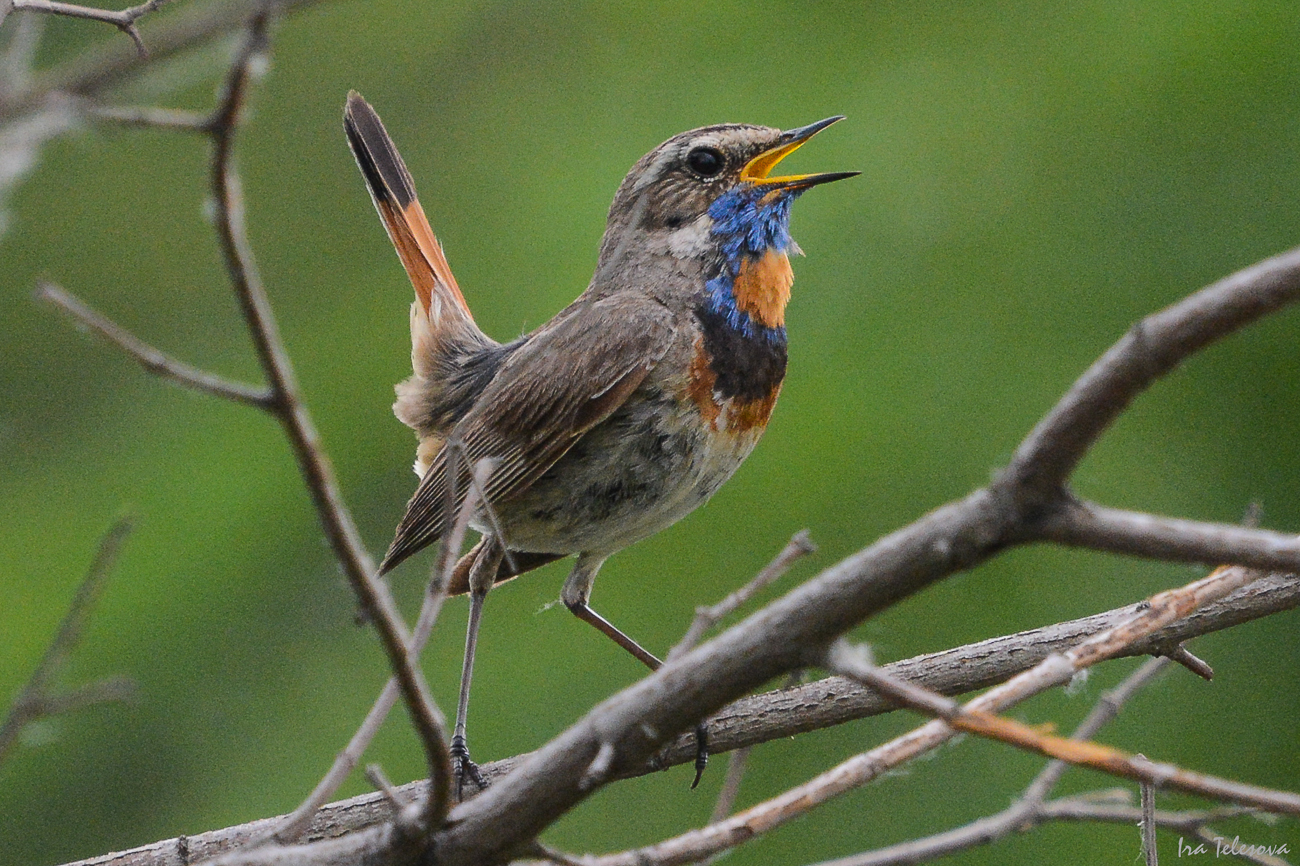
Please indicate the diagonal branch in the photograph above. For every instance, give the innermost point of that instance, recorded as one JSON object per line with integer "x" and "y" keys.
{"x": 1056, "y": 669}
{"x": 287, "y": 405}
{"x": 785, "y": 713}
{"x": 1152, "y": 348}
{"x": 707, "y": 617}
{"x": 1080, "y": 753}
{"x": 36, "y": 700}
{"x": 1026, "y": 812}
{"x": 147, "y": 356}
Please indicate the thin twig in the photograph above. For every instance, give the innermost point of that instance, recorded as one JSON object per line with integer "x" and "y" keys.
{"x": 736, "y": 766}
{"x": 292, "y": 826}
{"x": 1148, "y": 822}
{"x": 151, "y": 116}
{"x": 787, "y": 712}
{"x": 150, "y": 358}
{"x": 731, "y": 784}
{"x": 707, "y": 617}
{"x": 36, "y": 701}
{"x": 123, "y": 20}
{"x": 1056, "y": 669}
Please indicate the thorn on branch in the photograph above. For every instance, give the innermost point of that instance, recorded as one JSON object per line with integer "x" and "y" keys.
{"x": 1184, "y": 657}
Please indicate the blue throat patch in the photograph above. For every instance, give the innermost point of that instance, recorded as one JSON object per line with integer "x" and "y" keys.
{"x": 747, "y": 227}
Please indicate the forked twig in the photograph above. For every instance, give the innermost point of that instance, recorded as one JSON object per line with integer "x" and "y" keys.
{"x": 36, "y": 700}
{"x": 1056, "y": 669}
{"x": 123, "y": 19}
{"x": 707, "y": 617}
{"x": 294, "y": 824}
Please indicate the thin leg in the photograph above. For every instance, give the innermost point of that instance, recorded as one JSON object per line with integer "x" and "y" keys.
{"x": 576, "y": 593}
{"x": 480, "y": 580}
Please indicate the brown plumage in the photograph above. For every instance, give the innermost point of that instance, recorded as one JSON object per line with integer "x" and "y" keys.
{"x": 635, "y": 403}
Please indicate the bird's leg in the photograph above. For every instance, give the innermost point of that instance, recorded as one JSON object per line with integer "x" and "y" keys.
{"x": 576, "y": 593}
{"x": 481, "y": 577}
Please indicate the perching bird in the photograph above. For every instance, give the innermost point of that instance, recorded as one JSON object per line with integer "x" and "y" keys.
{"x": 635, "y": 403}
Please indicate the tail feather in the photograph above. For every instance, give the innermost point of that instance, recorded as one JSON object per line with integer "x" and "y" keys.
{"x": 393, "y": 192}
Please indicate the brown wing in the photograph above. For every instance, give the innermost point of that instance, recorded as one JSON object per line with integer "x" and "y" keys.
{"x": 568, "y": 377}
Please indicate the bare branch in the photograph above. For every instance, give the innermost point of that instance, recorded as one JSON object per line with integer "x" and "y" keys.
{"x": 1054, "y": 670}
{"x": 832, "y": 701}
{"x": 1085, "y": 524}
{"x": 123, "y": 20}
{"x": 287, "y": 405}
{"x": 707, "y": 617}
{"x": 731, "y": 784}
{"x": 293, "y": 825}
{"x": 36, "y": 701}
{"x": 150, "y": 358}
{"x": 1152, "y": 348}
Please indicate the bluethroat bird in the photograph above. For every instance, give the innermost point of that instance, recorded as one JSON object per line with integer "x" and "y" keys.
{"x": 632, "y": 406}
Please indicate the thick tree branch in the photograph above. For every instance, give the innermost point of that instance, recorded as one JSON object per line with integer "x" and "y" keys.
{"x": 1153, "y": 347}
{"x": 778, "y": 715}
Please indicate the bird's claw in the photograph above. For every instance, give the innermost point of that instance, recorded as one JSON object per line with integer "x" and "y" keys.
{"x": 701, "y": 752}
{"x": 462, "y": 768}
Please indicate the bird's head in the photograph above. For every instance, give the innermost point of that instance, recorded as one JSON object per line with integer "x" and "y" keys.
{"x": 715, "y": 184}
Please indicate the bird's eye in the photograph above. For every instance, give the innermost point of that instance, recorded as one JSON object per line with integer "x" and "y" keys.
{"x": 705, "y": 161}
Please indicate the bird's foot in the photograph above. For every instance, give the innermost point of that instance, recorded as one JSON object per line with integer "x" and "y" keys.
{"x": 462, "y": 768}
{"x": 701, "y": 751}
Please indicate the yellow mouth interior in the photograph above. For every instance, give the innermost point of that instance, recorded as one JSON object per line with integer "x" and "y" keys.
{"x": 757, "y": 169}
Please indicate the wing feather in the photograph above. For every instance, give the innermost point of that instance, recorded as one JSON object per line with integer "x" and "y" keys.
{"x": 568, "y": 377}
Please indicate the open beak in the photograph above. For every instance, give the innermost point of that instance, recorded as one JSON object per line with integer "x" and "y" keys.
{"x": 758, "y": 169}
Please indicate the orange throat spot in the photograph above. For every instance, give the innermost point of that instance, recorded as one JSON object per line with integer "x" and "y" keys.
{"x": 762, "y": 288}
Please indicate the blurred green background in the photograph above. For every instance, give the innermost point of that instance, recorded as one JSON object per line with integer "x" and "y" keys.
{"x": 1035, "y": 177}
